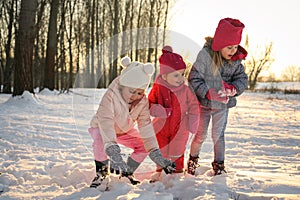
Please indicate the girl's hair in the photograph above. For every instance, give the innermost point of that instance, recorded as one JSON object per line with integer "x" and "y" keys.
{"x": 216, "y": 62}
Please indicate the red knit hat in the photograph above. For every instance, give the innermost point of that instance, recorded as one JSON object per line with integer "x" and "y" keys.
{"x": 169, "y": 61}
{"x": 228, "y": 32}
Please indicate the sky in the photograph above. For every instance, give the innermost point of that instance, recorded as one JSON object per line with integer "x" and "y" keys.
{"x": 265, "y": 21}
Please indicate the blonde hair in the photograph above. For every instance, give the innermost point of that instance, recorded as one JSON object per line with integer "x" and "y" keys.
{"x": 217, "y": 59}
{"x": 216, "y": 62}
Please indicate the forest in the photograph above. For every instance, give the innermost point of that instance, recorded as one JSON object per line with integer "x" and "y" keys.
{"x": 44, "y": 43}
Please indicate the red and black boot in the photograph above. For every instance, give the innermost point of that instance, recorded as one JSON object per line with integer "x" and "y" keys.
{"x": 101, "y": 173}
{"x": 218, "y": 167}
{"x": 192, "y": 165}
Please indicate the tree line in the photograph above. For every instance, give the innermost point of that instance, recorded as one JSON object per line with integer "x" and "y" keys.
{"x": 59, "y": 44}
{"x": 44, "y": 42}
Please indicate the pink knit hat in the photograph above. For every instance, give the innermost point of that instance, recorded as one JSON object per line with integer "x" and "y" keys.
{"x": 228, "y": 32}
{"x": 169, "y": 61}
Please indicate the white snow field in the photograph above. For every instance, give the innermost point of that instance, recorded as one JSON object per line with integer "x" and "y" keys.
{"x": 46, "y": 152}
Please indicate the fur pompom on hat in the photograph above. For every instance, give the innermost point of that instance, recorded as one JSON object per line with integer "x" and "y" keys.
{"x": 228, "y": 32}
{"x": 169, "y": 61}
{"x": 135, "y": 74}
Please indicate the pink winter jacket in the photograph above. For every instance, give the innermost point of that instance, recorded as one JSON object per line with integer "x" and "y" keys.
{"x": 113, "y": 118}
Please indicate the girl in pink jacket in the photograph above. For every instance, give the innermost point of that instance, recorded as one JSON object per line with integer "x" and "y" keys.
{"x": 123, "y": 106}
{"x": 174, "y": 107}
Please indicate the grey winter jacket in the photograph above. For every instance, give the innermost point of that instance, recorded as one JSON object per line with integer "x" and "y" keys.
{"x": 201, "y": 78}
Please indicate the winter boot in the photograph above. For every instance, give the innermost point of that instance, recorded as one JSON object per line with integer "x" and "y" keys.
{"x": 218, "y": 167}
{"x": 132, "y": 165}
{"x": 101, "y": 173}
{"x": 192, "y": 165}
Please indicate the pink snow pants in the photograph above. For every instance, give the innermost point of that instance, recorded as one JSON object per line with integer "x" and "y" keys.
{"x": 129, "y": 139}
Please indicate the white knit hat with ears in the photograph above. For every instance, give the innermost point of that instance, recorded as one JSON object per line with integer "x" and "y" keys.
{"x": 135, "y": 74}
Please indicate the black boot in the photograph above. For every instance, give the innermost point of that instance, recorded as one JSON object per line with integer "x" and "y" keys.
{"x": 192, "y": 165}
{"x": 101, "y": 173}
{"x": 218, "y": 167}
{"x": 133, "y": 165}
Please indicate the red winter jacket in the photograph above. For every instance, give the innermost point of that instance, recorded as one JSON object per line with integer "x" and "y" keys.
{"x": 181, "y": 107}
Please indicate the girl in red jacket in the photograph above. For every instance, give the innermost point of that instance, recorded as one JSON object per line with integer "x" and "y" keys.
{"x": 174, "y": 107}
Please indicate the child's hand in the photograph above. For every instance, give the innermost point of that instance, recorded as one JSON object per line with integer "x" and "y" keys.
{"x": 117, "y": 164}
{"x": 228, "y": 89}
{"x": 213, "y": 95}
{"x": 158, "y": 110}
{"x": 168, "y": 165}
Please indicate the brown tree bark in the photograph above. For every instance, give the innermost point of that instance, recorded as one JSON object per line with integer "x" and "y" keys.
{"x": 51, "y": 46}
{"x": 9, "y": 64}
{"x": 24, "y": 48}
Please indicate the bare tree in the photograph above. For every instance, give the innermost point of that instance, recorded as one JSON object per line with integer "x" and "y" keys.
{"x": 73, "y": 32}
{"x": 70, "y": 36}
{"x": 60, "y": 71}
{"x": 165, "y": 20}
{"x": 125, "y": 25}
{"x": 79, "y": 40}
{"x": 8, "y": 46}
{"x": 131, "y": 27}
{"x": 39, "y": 48}
{"x": 101, "y": 62}
{"x": 88, "y": 41}
{"x": 256, "y": 63}
{"x": 24, "y": 48}
{"x": 51, "y": 46}
{"x": 151, "y": 26}
{"x": 138, "y": 31}
{"x": 93, "y": 23}
{"x": 291, "y": 73}
{"x": 159, "y": 6}
{"x": 116, "y": 22}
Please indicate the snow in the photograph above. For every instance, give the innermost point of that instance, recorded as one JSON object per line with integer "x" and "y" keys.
{"x": 279, "y": 85}
{"x": 46, "y": 152}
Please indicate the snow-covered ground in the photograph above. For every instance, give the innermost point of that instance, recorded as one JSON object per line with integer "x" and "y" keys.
{"x": 46, "y": 152}
{"x": 278, "y": 85}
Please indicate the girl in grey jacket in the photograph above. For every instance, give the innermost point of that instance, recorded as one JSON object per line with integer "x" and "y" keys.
{"x": 217, "y": 78}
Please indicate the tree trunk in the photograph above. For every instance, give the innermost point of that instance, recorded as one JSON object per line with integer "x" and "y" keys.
{"x": 115, "y": 40}
{"x": 165, "y": 21}
{"x": 38, "y": 66}
{"x": 157, "y": 33}
{"x": 151, "y": 26}
{"x": 72, "y": 9}
{"x": 8, "y": 67}
{"x": 24, "y": 48}
{"x": 51, "y": 46}
{"x": 138, "y": 31}
{"x": 88, "y": 45}
{"x": 125, "y": 25}
{"x": 103, "y": 67}
{"x": 92, "y": 76}
{"x": 131, "y": 27}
